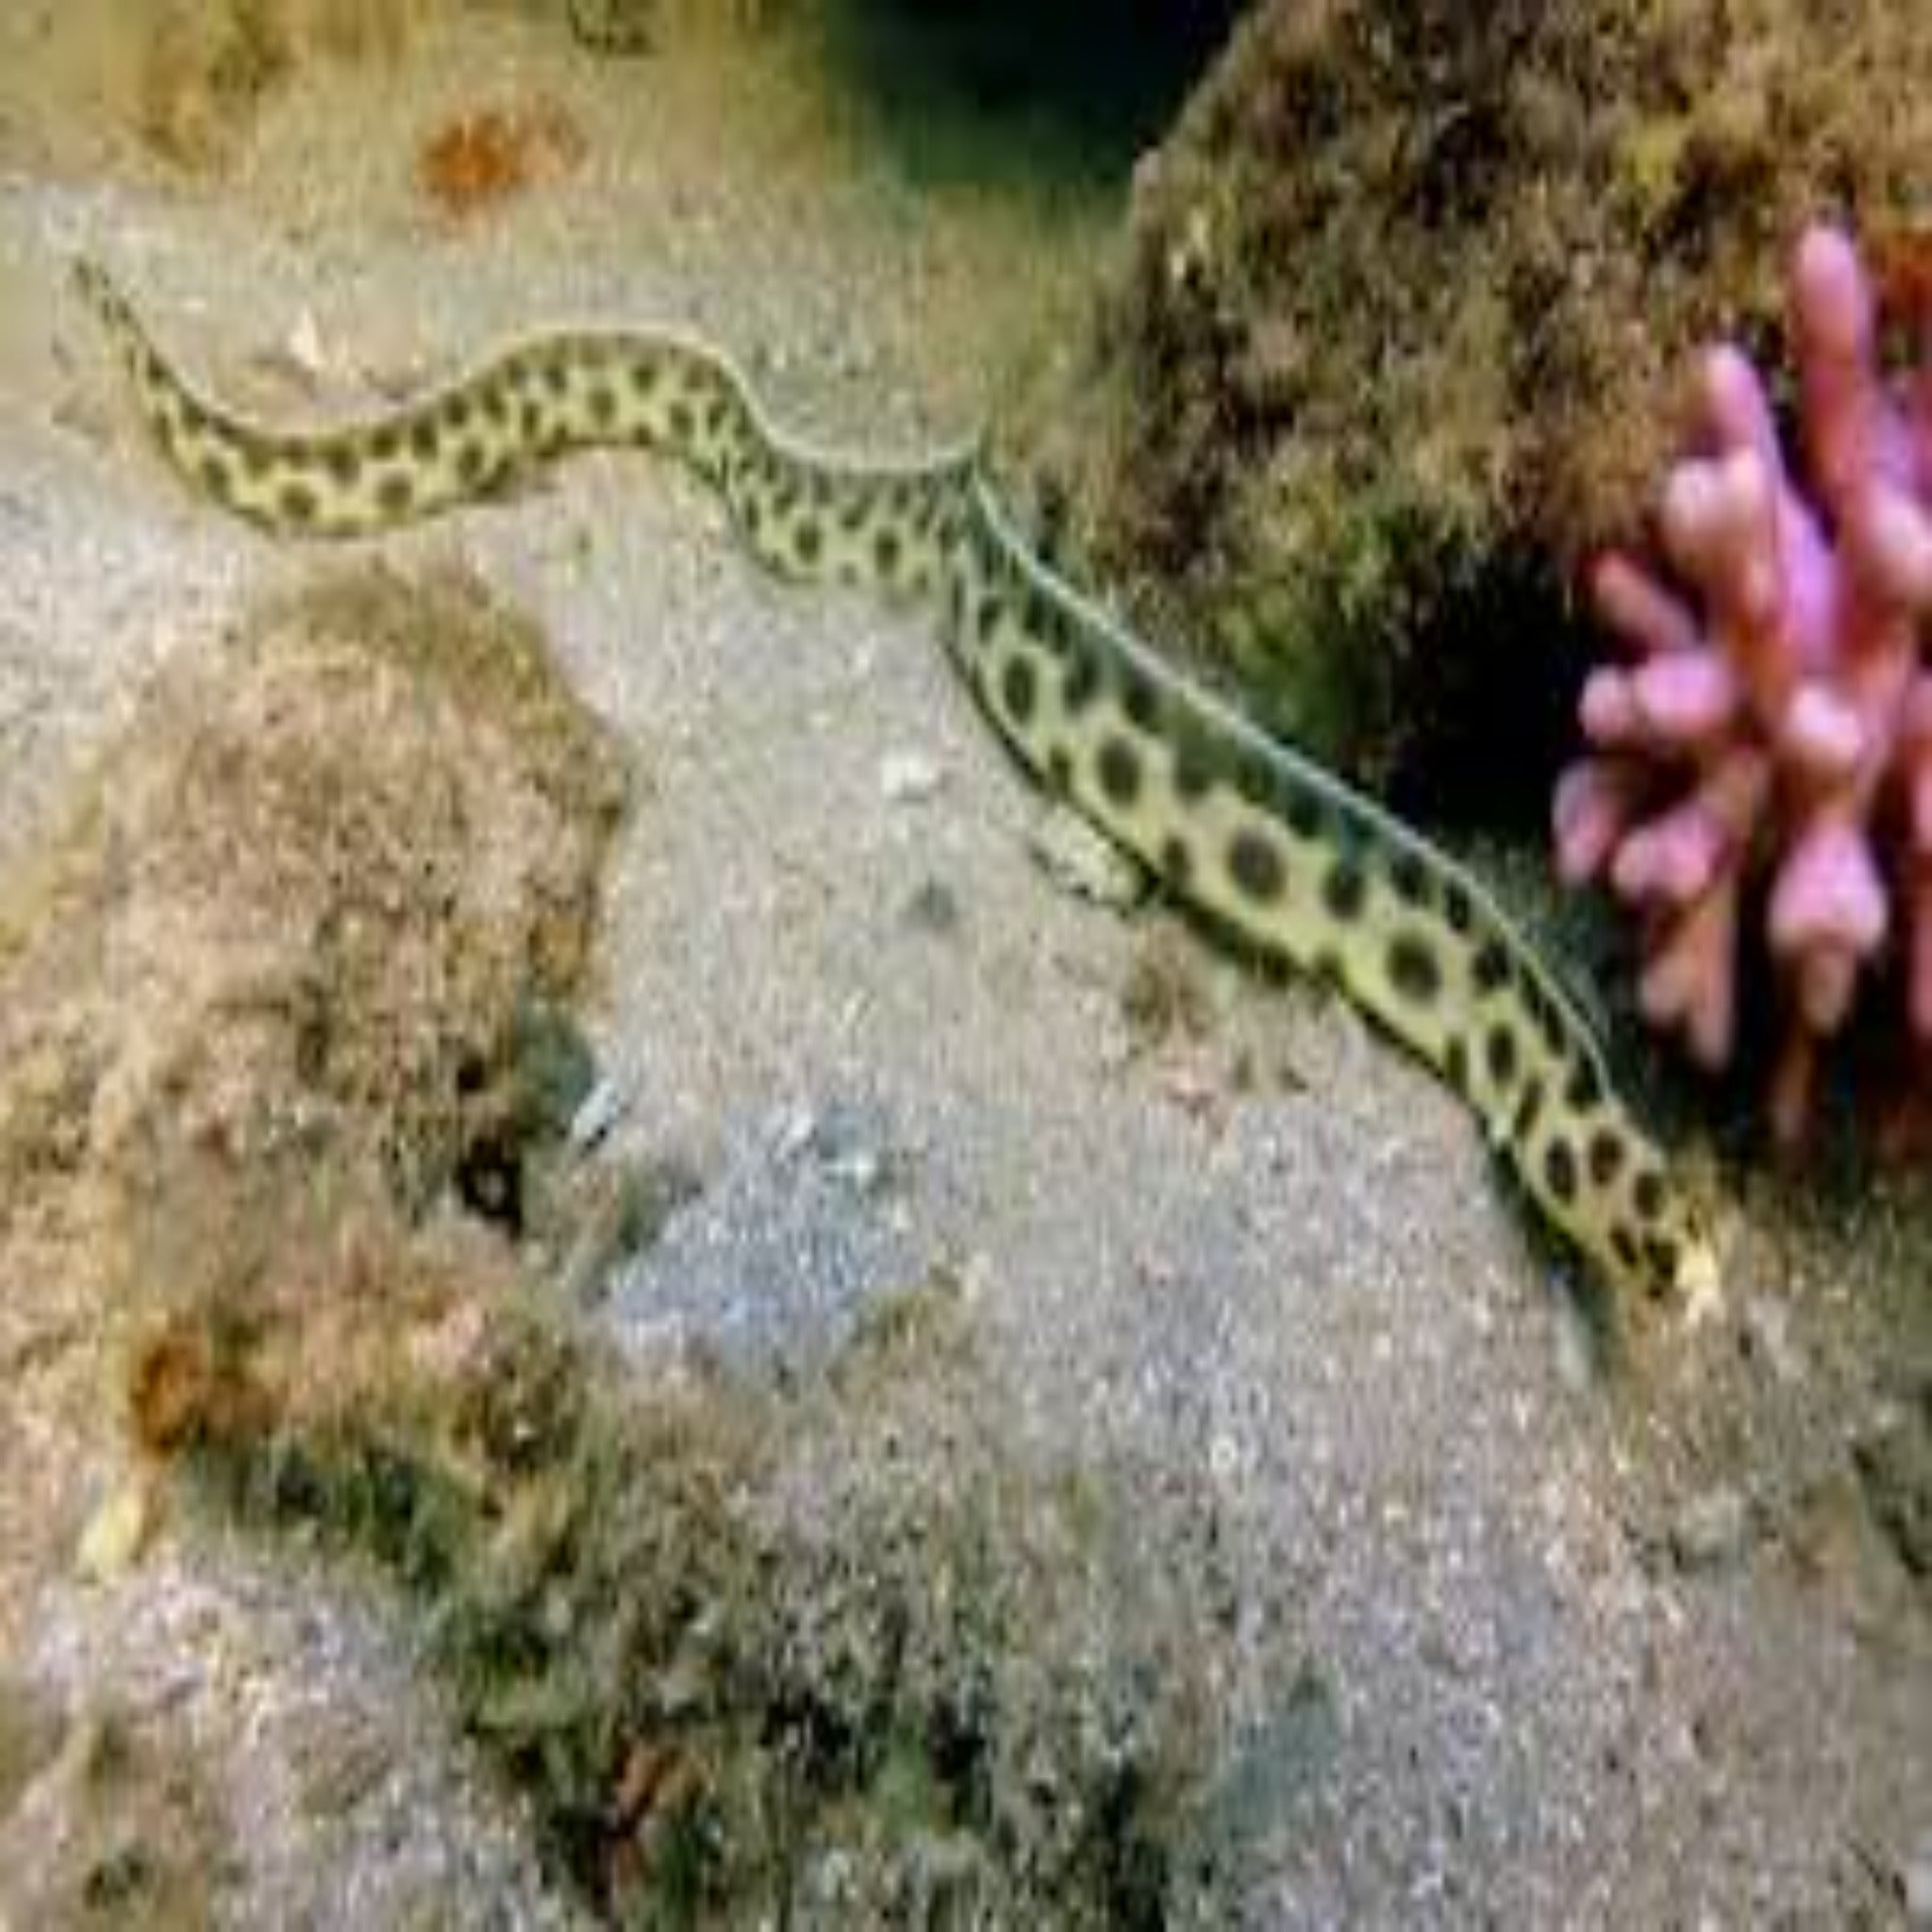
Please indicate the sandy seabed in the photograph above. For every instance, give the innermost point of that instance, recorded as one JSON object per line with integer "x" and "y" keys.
{"x": 1097, "y": 1440}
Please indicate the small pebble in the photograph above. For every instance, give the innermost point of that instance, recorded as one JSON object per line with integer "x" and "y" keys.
{"x": 1574, "y": 1347}
{"x": 796, "y": 1129}
{"x": 117, "y": 1533}
{"x": 909, "y": 777}
{"x": 304, "y": 345}
{"x": 1918, "y": 1888}
{"x": 934, "y": 909}
{"x": 600, "y": 1110}
{"x": 1709, "y": 1529}
{"x": 861, "y": 1168}
{"x": 1767, "y": 1325}
{"x": 1084, "y": 861}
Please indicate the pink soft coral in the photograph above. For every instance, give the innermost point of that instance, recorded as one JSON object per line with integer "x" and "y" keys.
{"x": 1771, "y": 745}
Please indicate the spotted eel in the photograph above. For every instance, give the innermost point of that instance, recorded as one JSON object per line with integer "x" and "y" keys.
{"x": 1236, "y": 824}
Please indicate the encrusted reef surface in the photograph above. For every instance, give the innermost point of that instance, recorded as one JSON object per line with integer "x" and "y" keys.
{"x": 1404, "y": 311}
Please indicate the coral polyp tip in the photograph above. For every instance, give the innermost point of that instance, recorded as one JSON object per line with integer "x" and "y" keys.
{"x": 1757, "y": 785}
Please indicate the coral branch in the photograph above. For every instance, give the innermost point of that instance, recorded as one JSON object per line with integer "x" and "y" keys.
{"x": 1758, "y": 785}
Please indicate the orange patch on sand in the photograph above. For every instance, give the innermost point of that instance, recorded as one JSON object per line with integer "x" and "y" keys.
{"x": 481, "y": 160}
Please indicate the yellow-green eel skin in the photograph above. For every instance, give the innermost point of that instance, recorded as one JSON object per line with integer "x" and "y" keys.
{"x": 1236, "y": 824}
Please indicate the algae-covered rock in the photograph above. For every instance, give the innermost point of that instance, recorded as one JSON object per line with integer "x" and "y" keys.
{"x": 288, "y": 1080}
{"x": 1401, "y": 316}
{"x": 831, "y": 1656}
{"x": 296, "y": 958}
{"x": 322, "y": 897}
{"x": 200, "y": 72}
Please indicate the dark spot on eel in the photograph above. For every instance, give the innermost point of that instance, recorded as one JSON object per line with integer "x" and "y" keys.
{"x": 1119, "y": 770}
{"x": 1411, "y": 878}
{"x": 1559, "y": 1171}
{"x": 1019, "y": 689}
{"x": 1343, "y": 889}
{"x": 1660, "y": 1257}
{"x": 1139, "y": 698}
{"x": 296, "y": 502}
{"x": 1414, "y": 969}
{"x": 1254, "y": 863}
{"x": 1499, "y": 1050}
{"x": 1081, "y": 683}
{"x": 1585, "y": 1092}
{"x": 1491, "y": 970}
{"x": 1193, "y": 772}
{"x": 1647, "y": 1194}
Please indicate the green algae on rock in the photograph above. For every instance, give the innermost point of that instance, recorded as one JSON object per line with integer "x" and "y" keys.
{"x": 834, "y": 1655}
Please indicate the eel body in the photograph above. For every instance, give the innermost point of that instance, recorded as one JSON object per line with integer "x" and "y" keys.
{"x": 1235, "y": 823}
